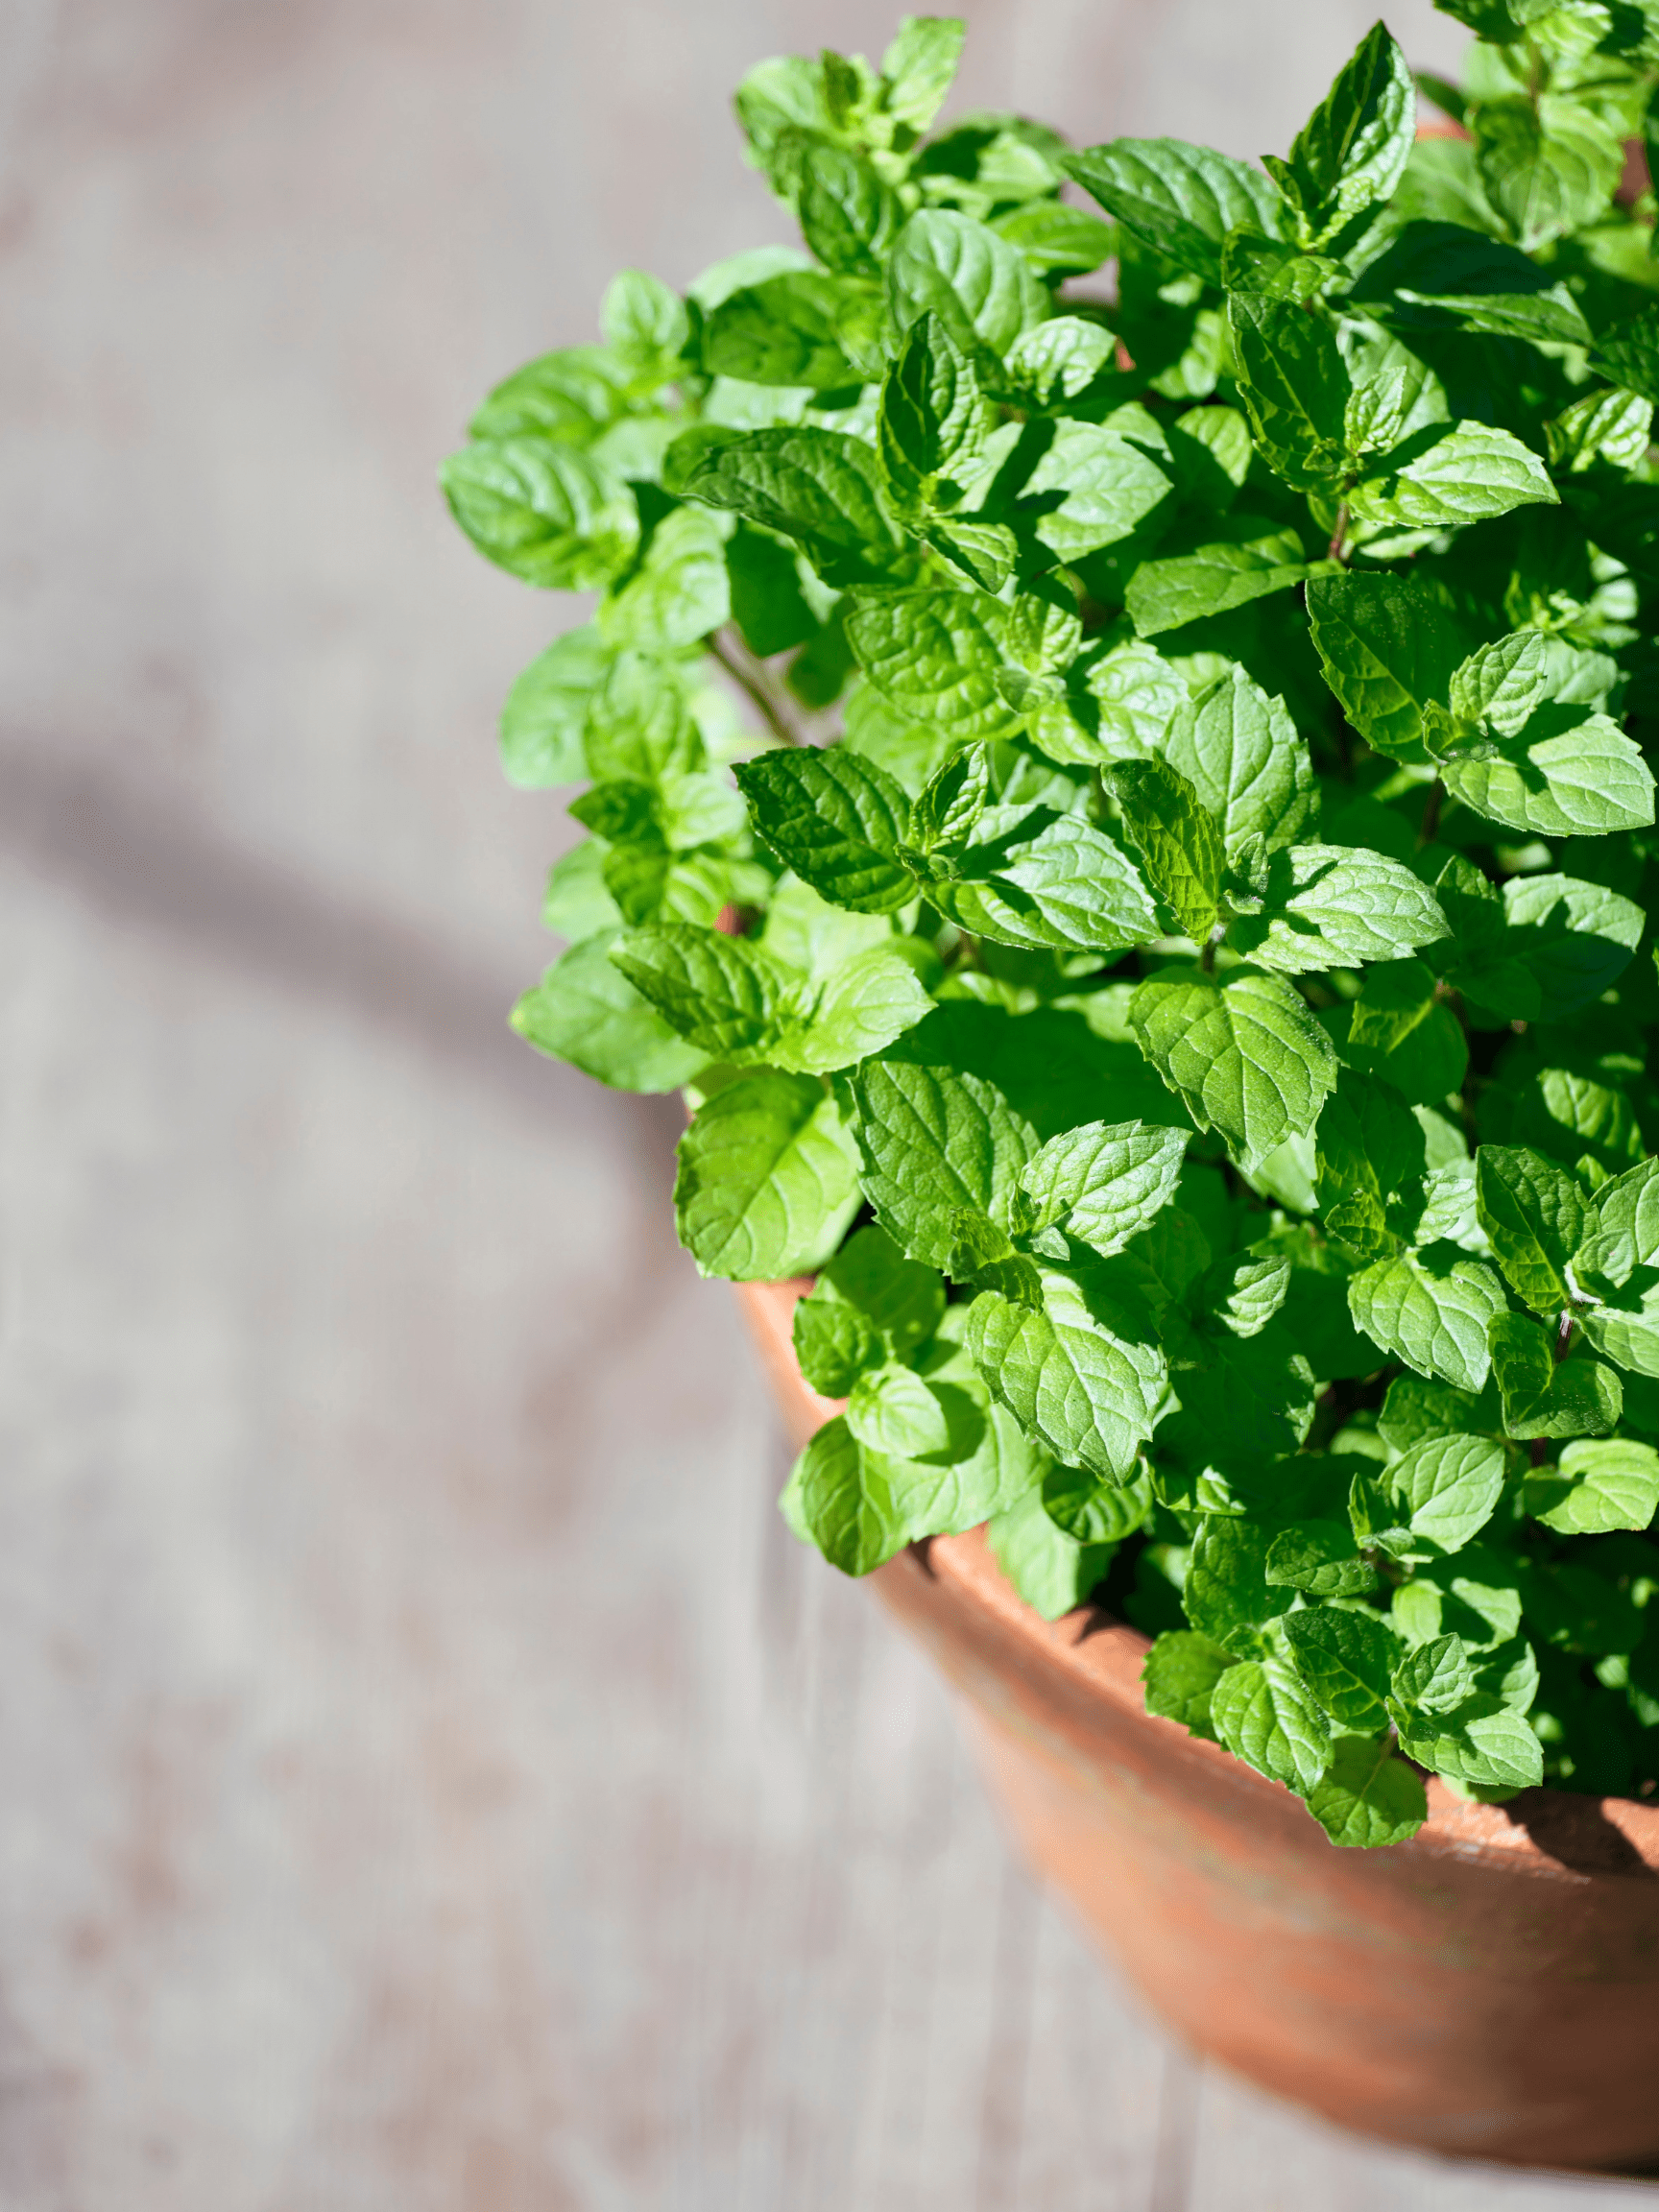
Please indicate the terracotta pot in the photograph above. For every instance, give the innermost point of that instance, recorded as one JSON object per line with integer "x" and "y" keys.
{"x": 1490, "y": 1987}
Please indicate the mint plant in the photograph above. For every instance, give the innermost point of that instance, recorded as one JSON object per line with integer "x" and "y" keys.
{"x": 1117, "y": 785}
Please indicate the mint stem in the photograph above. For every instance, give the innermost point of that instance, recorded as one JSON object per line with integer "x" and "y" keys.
{"x": 744, "y": 670}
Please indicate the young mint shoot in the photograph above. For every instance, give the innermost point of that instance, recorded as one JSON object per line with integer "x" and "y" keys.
{"x": 1114, "y": 723}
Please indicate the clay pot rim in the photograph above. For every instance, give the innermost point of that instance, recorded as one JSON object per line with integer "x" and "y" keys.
{"x": 1555, "y": 1834}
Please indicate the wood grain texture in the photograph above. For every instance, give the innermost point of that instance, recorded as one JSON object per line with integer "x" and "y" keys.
{"x": 433, "y": 1780}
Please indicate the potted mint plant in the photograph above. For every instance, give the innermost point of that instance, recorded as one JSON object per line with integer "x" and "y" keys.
{"x": 1114, "y": 739}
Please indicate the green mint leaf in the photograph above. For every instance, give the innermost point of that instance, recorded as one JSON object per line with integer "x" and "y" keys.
{"x": 935, "y": 654}
{"x": 549, "y": 515}
{"x": 1180, "y": 200}
{"x": 1387, "y": 647}
{"x": 1430, "y": 1309}
{"x": 1627, "y": 1334}
{"x": 679, "y": 594}
{"x": 1226, "y": 1594}
{"x": 1543, "y": 1396}
{"x": 818, "y": 487}
{"x": 576, "y": 903}
{"x": 1353, "y": 150}
{"x": 1319, "y": 1557}
{"x": 952, "y": 800}
{"x": 1345, "y": 1658}
{"x": 1244, "y": 1055}
{"x": 842, "y": 1496}
{"x": 1062, "y": 357}
{"x": 859, "y": 1009}
{"x": 848, "y": 215}
{"x": 836, "y": 819}
{"x": 1093, "y": 1512}
{"x": 1434, "y": 1677}
{"x": 639, "y": 728}
{"x": 1059, "y": 241}
{"x": 1481, "y": 1744}
{"x": 645, "y": 321}
{"x": 1214, "y": 579}
{"x": 1244, "y": 1290}
{"x": 933, "y": 418}
{"x": 1629, "y": 353}
{"x": 1240, "y": 751}
{"x": 782, "y": 331}
{"x": 1448, "y": 1488}
{"x": 1294, "y": 387}
{"x": 1534, "y": 1215}
{"x": 722, "y": 994}
{"x": 1575, "y": 939}
{"x": 893, "y": 1411}
{"x": 1367, "y": 1797}
{"x": 1416, "y": 1406}
{"x": 1625, "y": 1232}
{"x": 1338, "y": 906}
{"x": 1261, "y": 1712}
{"x": 586, "y": 1011}
{"x": 1211, "y": 451}
{"x": 1069, "y": 887}
{"x": 572, "y": 395}
{"x": 1370, "y": 1152}
{"x": 903, "y": 1302}
{"x": 1091, "y": 489}
{"x": 933, "y": 1141}
{"x": 1180, "y": 1673}
{"x": 1086, "y": 1393}
{"x": 919, "y": 67}
{"x": 768, "y": 1178}
{"x": 834, "y": 1343}
{"x": 1601, "y": 1485}
{"x": 1052, "y": 1571}
{"x": 763, "y": 582}
{"x": 981, "y": 288}
{"x": 1588, "y": 780}
{"x": 1612, "y": 427}
{"x": 1106, "y": 1182}
{"x": 1178, "y": 839}
{"x": 1445, "y": 476}
{"x": 1549, "y": 165}
{"x": 546, "y": 711}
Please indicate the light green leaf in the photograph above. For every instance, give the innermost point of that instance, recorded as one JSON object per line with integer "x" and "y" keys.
{"x": 1534, "y": 1215}
{"x": 1244, "y": 1055}
{"x": 1627, "y": 1334}
{"x": 782, "y": 331}
{"x": 842, "y": 1496}
{"x": 1441, "y": 477}
{"x": 1548, "y": 165}
{"x": 1069, "y": 887}
{"x": 1430, "y": 1309}
{"x": 919, "y": 66}
{"x": 1575, "y": 938}
{"x": 1353, "y": 149}
{"x": 859, "y": 1009}
{"x": 1059, "y": 358}
{"x": 818, "y": 487}
{"x": 903, "y": 1302}
{"x": 1242, "y": 753}
{"x": 834, "y": 1343}
{"x": 768, "y": 1178}
{"x": 1087, "y": 1395}
{"x": 1543, "y": 1396}
{"x": 1434, "y": 1676}
{"x": 1388, "y": 648}
{"x": 1178, "y": 839}
{"x": 586, "y": 1011}
{"x": 933, "y": 1141}
{"x": 1226, "y": 1594}
{"x": 1448, "y": 1487}
{"x": 1602, "y": 1484}
{"x": 1052, "y": 1571}
{"x": 1589, "y": 779}
{"x": 1366, "y": 1796}
{"x": 1483, "y": 1745}
{"x": 645, "y": 321}
{"x": 1338, "y": 906}
{"x": 572, "y": 395}
{"x": 1263, "y": 1714}
{"x": 1628, "y": 353}
{"x": 933, "y": 420}
{"x": 1345, "y": 1658}
{"x": 549, "y": 515}
{"x": 1293, "y": 385}
{"x": 1624, "y": 1229}
{"x": 935, "y": 654}
{"x": 542, "y": 723}
{"x": 847, "y": 214}
{"x": 725, "y": 995}
{"x": 1180, "y": 1673}
{"x": 836, "y": 819}
{"x": 1246, "y": 1290}
{"x": 680, "y": 592}
{"x": 1210, "y": 580}
{"x": 1180, "y": 200}
{"x": 1106, "y": 485}
{"x": 893, "y": 1411}
{"x": 1095, "y": 1511}
{"x": 1104, "y": 1183}
{"x": 1319, "y": 1557}
{"x": 983, "y": 289}
{"x": 1612, "y": 427}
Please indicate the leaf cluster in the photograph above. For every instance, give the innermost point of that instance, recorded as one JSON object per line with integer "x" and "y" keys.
{"x": 1115, "y": 730}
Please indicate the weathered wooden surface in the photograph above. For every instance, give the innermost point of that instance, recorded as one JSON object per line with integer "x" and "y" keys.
{"x": 432, "y": 1778}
